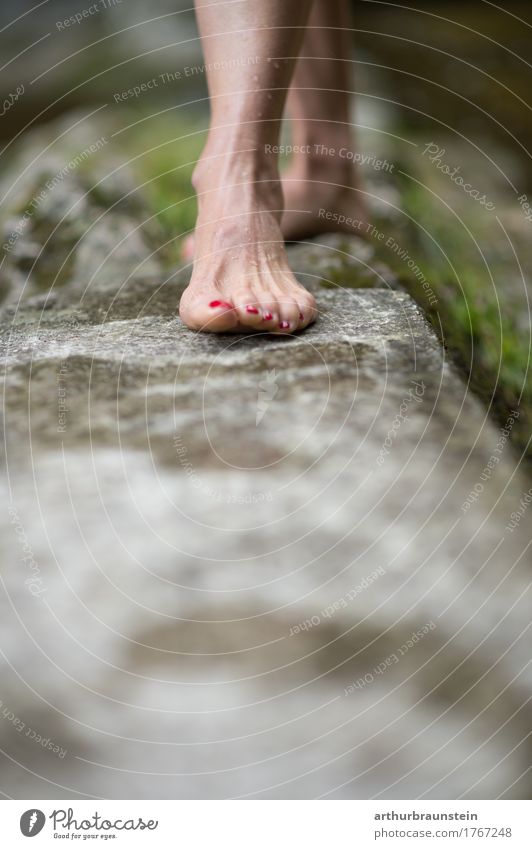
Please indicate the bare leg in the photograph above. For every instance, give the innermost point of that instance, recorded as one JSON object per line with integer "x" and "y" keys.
{"x": 318, "y": 103}
{"x": 322, "y": 176}
{"x": 241, "y": 278}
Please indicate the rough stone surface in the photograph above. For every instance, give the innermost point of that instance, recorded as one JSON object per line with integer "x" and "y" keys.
{"x": 219, "y": 536}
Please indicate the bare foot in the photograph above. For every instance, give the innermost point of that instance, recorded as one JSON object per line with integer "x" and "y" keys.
{"x": 241, "y": 280}
{"x": 307, "y": 199}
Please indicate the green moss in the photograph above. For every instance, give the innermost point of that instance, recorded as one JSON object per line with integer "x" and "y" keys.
{"x": 162, "y": 151}
{"x": 476, "y": 315}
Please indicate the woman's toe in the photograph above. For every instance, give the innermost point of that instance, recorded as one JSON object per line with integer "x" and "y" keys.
{"x": 270, "y": 315}
{"x": 288, "y": 315}
{"x": 248, "y": 308}
{"x": 211, "y": 314}
{"x": 307, "y": 310}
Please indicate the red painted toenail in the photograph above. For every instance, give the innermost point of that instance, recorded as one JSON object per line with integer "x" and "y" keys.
{"x": 284, "y": 325}
{"x": 267, "y": 316}
{"x": 221, "y": 304}
{"x": 301, "y": 316}
{"x": 252, "y": 309}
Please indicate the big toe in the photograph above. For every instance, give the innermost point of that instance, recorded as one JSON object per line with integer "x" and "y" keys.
{"x": 208, "y": 312}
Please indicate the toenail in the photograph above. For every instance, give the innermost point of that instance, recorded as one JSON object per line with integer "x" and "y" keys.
{"x": 284, "y": 325}
{"x": 301, "y": 316}
{"x": 221, "y": 304}
{"x": 267, "y": 316}
{"x": 252, "y": 309}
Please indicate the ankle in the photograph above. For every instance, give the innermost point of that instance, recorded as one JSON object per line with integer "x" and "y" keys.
{"x": 243, "y": 182}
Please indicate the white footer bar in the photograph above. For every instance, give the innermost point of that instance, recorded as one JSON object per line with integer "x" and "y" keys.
{"x": 267, "y": 824}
